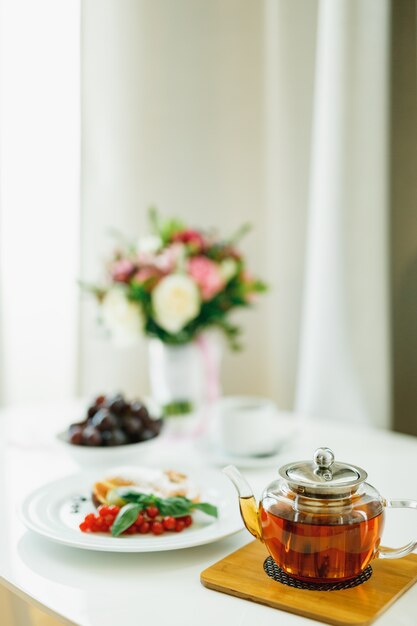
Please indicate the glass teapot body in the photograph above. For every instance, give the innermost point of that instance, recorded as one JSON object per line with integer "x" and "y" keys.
{"x": 321, "y": 521}
{"x": 321, "y": 539}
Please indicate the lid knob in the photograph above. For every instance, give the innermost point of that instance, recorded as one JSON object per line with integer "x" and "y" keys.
{"x": 323, "y": 458}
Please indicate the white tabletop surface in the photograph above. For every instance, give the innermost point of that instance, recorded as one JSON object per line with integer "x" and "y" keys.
{"x": 102, "y": 589}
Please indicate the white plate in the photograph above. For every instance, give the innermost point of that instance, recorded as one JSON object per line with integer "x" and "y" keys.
{"x": 49, "y": 512}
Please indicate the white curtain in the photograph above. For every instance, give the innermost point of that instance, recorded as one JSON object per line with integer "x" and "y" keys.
{"x": 343, "y": 370}
{"x": 273, "y": 112}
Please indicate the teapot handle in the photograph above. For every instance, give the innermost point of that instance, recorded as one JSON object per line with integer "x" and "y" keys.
{"x": 390, "y": 553}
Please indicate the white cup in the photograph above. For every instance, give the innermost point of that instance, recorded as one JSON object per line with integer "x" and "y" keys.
{"x": 247, "y": 426}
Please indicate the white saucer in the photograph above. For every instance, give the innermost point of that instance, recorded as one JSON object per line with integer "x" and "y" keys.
{"x": 219, "y": 457}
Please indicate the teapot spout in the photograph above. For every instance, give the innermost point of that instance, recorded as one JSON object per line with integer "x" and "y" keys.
{"x": 247, "y": 503}
{"x": 242, "y": 486}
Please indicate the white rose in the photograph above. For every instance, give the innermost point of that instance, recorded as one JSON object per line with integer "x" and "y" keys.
{"x": 121, "y": 316}
{"x": 149, "y": 244}
{"x": 228, "y": 269}
{"x": 176, "y": 301}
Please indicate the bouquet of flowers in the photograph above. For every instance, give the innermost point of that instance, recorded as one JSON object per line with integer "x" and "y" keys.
{"x": 176, "y": 283}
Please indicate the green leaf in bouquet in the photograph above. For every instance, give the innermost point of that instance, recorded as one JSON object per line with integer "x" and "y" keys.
{"x": 259, "y": 286}
{"x": 138, "y": 293}
{"x": 153, "y": 218}
{"x": 240, "y": 233}
{"x": 166, "y": 229}
{"x": 169, "y": 228}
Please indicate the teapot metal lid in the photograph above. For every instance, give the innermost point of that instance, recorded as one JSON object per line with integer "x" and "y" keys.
{"x": 323, "y": 475}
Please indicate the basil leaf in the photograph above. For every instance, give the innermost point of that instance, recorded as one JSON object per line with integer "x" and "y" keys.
{"x": 207, "y": 508}
{"x": 144, "y": 499}
{"x": 125, "y": 518}
{"x": 176, "y": 506}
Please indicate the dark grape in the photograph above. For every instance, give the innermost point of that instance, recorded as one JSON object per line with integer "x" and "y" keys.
{"x": 100, "y": 400}
{"x": 76, "y": 435}
{"x": 119, "y": 437}
{"x": 91, "y": 436}
{"x": 77, "y": 425}
{"x": 92, "y": 410}
{"x": 107, "y": 437}
{"x": 157, "y": 426}
{"x": 132, "y": 425}
{"x": 112, "y": 421}
{"x": 139, "y": 410}
{"x": 104, "y": 420}
{"x": 117, "y": 404}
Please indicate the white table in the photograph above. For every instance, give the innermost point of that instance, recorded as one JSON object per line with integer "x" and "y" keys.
{"x": 103, "y": 589}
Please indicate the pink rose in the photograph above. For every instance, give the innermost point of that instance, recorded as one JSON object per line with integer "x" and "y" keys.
{"x": 148, "y": 275}
{"x": 168, "y": 260}
{"x": 206, "y": 274}
{"x": 122, "y": 270}
{"x": 164, "y": 262}
{"x": 192, "y": 238}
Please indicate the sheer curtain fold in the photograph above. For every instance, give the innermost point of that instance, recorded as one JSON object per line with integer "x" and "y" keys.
{"x": 290, "y": 50}
{"x": 344, "y": 349}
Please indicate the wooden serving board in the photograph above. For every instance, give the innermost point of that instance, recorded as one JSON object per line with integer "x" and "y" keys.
{"x": 241, "y": 574}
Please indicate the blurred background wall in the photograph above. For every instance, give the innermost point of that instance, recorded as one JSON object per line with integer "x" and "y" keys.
{"x": 297, "y": 116}
{"x": 172, "y": 114}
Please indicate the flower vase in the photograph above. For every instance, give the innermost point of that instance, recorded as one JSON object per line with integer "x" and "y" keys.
{"x": 185, "y": 379}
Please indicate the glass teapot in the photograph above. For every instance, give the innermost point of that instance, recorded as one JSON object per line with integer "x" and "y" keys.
{"x": 321, "y": 521}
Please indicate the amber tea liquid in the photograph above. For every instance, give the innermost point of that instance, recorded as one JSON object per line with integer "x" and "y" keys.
{"x": 321, "y": 552}
{"x": 249, "y": 512}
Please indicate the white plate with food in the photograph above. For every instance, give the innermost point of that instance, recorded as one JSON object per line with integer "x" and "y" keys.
{"x": 56, "y": 510}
